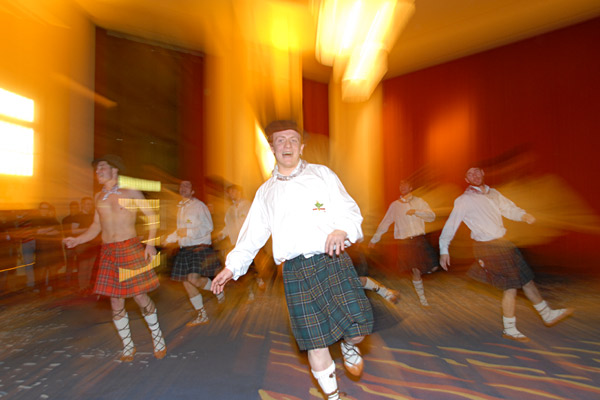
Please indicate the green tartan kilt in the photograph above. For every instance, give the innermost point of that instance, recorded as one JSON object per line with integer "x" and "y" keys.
{"x": 325, "y": 300}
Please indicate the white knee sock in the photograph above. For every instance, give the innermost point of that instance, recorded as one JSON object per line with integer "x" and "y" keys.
{"x": 208, "y": 283}
{"x": 377, "y": 287}
{"x": 547, "y": 313}
{"x": 510, "y": 327}
{"x": 122, "y": 326}
{"x": 197, "y": 302}
{"x": 420, "y": 292}
{"x": 327, "y": 381}
{"x": 157, "y": 336}
{"x": 220, "y": 296}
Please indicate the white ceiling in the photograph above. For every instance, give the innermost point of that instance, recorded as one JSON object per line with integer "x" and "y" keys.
{"x": 439, "y": 31}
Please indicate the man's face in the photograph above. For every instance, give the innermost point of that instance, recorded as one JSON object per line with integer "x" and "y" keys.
{"x": 87, "y": 205}
{"x": 474, "y": 176}
{"x": 287, "y": 147}
{"x": 44, "y": 210}
{"x": 104, "y": 172}
{"x": 405, "y": 188}
{"x": 185, "y": 189}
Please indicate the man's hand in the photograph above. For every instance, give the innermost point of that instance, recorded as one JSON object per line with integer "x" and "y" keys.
{"x": 530, "y": 219}
{"x": 150, "y": 252}
{"x": 335, "y": 242}
{"x": 371, "y": 245}
{"x": 445, "y": 261}
{"x": 412, "y": 211}
{"x": 71, "y": 242}
{"x": 220, "y": 280}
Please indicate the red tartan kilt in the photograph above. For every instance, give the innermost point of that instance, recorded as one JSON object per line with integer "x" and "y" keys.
{"x": 129, "y": 255}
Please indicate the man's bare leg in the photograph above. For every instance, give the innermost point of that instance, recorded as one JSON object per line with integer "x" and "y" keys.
{"x": 551, "y": 317}
{"x": 121, "y": 321}
{"x": 323, "y": 369}
{"x": 508, "y": 317}
{"x": 148, "y": 309}
{"x": 371, "y": 284}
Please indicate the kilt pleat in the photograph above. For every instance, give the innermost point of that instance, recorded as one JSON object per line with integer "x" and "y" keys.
{"x": 500, "y": 264}
{"x": 201, "y": 259}
{"x": 416, "y": 253}
{"x": 325, "y": 300}
{"x": 128, "y": 254}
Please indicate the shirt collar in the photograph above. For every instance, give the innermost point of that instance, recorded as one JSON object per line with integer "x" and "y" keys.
{"x": 476, "y": 189}
{"x": 406, "y": 199}
{"x": 297, "y": 171}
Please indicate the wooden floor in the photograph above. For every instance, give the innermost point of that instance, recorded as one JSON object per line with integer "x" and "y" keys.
{"x": 63, "y": 346}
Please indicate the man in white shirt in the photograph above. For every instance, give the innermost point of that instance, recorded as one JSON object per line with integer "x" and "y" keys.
{"x": 409, "y": 214}
{"x": 234, "y": 219}
{"x": 311, "y": 219}
{"x": 196, "y": 261}
{"x": 500, "y": 263}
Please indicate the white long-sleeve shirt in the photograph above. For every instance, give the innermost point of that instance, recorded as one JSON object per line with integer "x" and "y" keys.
{"x": 405, "y": 226}
{"x": 234, "y": 219}
{"x": 299, "y": 213}
{"x": 482, "y": 212}
{"x": 194, "y": 216}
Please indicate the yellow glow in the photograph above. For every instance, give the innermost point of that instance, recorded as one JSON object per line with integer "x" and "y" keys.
{"x": 145, "y": 185}
{"x": 359, "y": 34}
{"x": 16, "y": 149}
{"x": 265, "y": 156}
{"x": 125, "y": 274}
{"x": 15, "y": 106}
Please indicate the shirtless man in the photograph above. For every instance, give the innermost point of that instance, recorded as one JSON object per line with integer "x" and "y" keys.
{"x": 115, "y": 216}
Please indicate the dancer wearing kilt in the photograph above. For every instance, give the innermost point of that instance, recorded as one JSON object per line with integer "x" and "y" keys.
{"x": 123, "y": 271}
{"x": 311, "y": 219}
{"x": 196, "y": 262}
{"x": 409, "y": 214}
{"x": 499, "y": 262}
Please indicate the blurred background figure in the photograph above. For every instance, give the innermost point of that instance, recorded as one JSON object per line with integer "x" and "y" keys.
{"x": 499, "y": 261}
{"x": 69, "y": 224}
{"x": 8, "y": 249}
{"x": 196, "y": 261}
{"x": 26, "y": 238}
{"x": 415, "y": 254}
{"x": 234, "y": 219}
{"x": 87, "y": 252}
{"x": 361, "y": 264}
{"x": 49, "y": 255}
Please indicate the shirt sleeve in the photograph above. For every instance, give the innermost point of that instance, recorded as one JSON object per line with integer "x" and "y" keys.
{"x": 347, "y": 216}
{"x": 451, "y": 226}
{"x": 201, "y": 223}
{"x": 424, "y": 211}
{"x": 508, "y": 209}
{"x": 384, "y": 225}
{"x": 254, "y": 234}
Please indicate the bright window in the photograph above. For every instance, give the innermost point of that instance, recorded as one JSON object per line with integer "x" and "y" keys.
{"x": 16, "y": 134}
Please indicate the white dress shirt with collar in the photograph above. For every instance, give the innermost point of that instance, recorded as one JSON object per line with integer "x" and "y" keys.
{"x": 405, "y": 226}
{"x": 194, "y": 216}
{"x": 482, "y": 211}
{"x": 299, "y": 212}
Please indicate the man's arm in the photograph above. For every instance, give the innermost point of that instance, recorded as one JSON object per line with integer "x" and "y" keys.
{"x": 152, "y": 221}
{"x": 448, "y": 232}
{"x": 384, "y": 225}
{"x": 424, "y": 211}
{"x": 94, "y": 229}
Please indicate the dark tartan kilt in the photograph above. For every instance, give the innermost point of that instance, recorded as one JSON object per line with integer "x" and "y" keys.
{"x": 501, "y": 264}
{"x": 201, "y": 259}
{"x": 325, "y": 300}
{"x": 417, "y": 253}
{"x": 129, "y": 255}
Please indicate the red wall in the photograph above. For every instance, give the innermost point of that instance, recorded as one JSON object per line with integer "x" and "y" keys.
{"x": 541, "y": 94}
